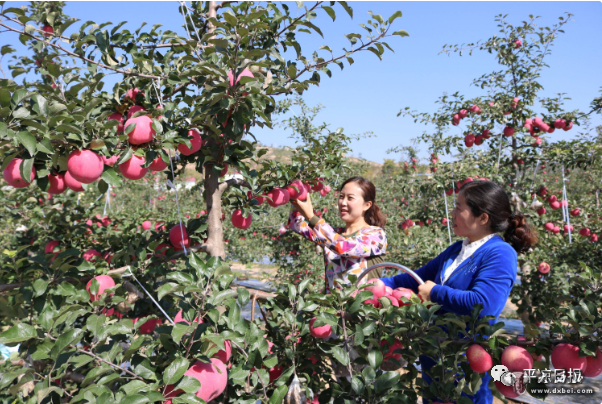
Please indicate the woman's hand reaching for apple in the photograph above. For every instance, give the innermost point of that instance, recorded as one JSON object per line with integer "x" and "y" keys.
{"x": 304, "y": 207}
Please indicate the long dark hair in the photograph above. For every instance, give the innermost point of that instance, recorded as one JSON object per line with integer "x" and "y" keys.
{"x": 488, "y": 197}
{"x": 373, "y": 216}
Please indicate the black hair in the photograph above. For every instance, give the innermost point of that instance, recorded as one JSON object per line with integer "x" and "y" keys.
{"x": 489, "y": 197}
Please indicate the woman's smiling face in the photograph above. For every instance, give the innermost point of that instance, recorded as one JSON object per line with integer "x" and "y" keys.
{"x": 351, "y": 203}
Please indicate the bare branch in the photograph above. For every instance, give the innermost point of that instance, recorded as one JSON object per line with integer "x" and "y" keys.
{"x": 223, "y": 3}
{"x": 231, "y": 182}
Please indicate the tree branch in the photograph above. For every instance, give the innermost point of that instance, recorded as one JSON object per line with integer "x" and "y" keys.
{"x": 298, "y": 18}
{"x": 125, "y": 72}
{"x": 98, "y": 358}
{"x": 231, "y": 182}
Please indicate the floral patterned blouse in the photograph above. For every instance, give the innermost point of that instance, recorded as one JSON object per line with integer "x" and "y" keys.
{"x": 343, "y": 255}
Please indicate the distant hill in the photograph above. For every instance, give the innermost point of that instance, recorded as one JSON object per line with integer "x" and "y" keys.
{"x": 284, "y": 155}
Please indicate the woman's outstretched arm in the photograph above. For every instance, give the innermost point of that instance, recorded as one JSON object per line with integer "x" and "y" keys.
{"x": 426, "y": 273}
{"x": 491, "y": 286}
{"x": 366, "y": 243}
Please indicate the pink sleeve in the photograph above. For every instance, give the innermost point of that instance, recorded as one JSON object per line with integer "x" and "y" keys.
{"x": 369, "y": 242}
{"x": 297, "y": 223}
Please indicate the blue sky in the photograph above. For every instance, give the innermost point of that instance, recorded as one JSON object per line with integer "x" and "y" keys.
{"x": 368, "y": 95}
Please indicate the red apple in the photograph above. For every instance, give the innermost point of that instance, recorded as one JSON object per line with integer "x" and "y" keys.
{"x": 297, "y": 190}
{"x": 109, "y": 161}
{"x": 143, "y": 132}
{"x": 157, "y": 165}
{"x": 594, "y": 365}
{"x": 50, "y": 246}
{"x": 213, "y": 377}
{"x": 91, "y": 255}
{"x": 196, "y": 142}
{"x": 541, "y": 211}
{"x": 392, "y": 348}
{"x": 378, "y": 288}
{"x": 278, "y": 197}
{"x": 585, "y": 232}
{"x": 149, "y": 325}
{"x": 119, "y": 118}
{"x": 241, "y": 222}
{"x": 403, "y": 292}
{"x": 132, "y": 169}
{"x": 178, "y": 236}
{"x": 322, "y": 332}
{"x": 133, "y": 110}
{"x": 543, "y": 268}
{"x": 506, "y": 391}
{"x": 57, "y": 184}
{"x": 132, "y": 93}
{"x": 566, "y": 356}
{"x": 479, "y": 359}
{"x": 559, "y": 123}
{"x": 12, "y": 174}
{"x": 105, "y": 282}
{"x": 516, "y": 358}
{"x": 72, "y": 183}
{"x": 508, "y": 131}
{"x": 85, "y": 166}
{"x": 146, "y": 225}
{"x": 469, "y": 140}
{"x": 180, "y": 319}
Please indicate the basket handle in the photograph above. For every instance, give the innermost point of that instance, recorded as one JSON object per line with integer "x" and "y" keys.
{"x": 391, "y": 264}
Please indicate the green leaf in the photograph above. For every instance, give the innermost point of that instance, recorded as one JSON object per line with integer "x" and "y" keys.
{"x": 101, "y": 41}
{"x": 25, "y": 168}
{"x": 221, "y": 296}
{"x": 375, "y": 358}
{"x": 4, "y": 97}
{"x": 29, "y": 141}
{"x": 135, "y": 386}
{"x": 330, "y": 12}
{"x": 340, "y": 355}
{"x": 135, "y": 399}
{"x": 175, "y": 371}
{"x": 395, "y": 15}
{"x": 19, "y": 333}
{"x": 292, "y": 71}
{"x": 39, "y": 286}
{"x": 70, "y": 337}
{"x": 386, "y": 381}
{"x": 401, "y": 33}
{"x": 347, "y": 8}
{"x": 41, "y": 104}
{"x": 111, "y": 177}
{"x": 278, "y": 395}
{"x": 42, "y": 394}
{"x": 188, "y": 384}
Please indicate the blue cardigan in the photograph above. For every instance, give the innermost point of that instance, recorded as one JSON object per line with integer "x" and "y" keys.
{"x": 486, "y": 277}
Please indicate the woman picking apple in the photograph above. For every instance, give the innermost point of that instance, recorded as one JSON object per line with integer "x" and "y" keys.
{"x": 481, "y": 268}
{"x": 350, "y": 249}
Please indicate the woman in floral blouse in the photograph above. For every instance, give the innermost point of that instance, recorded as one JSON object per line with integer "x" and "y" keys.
{"x": 350, "y": 249}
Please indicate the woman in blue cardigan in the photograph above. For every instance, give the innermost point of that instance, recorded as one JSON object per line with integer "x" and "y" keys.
{"x": 481, "y": 268}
